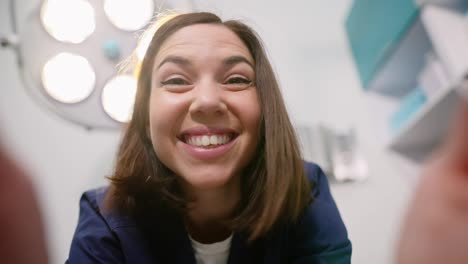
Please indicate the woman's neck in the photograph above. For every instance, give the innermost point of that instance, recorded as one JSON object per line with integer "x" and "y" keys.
{"x": 207, "y": 219}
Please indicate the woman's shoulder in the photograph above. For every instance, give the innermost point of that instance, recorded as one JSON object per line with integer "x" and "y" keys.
{"x": 322, "y": 211}
{"x": 105, "y": 235}
{"x": 94, "y": 199}
{"x": 315, "y": 174}
{"x": 320, "y": 233}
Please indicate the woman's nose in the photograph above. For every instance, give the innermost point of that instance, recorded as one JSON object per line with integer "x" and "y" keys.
{"x": 208, "y": 99}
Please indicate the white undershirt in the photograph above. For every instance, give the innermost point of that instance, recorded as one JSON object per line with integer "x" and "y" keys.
{"x": 216, "y": 253}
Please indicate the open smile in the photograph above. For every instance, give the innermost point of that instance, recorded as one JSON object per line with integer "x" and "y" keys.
{"x": 208, "y": 143}
{"x": 206, "y": 137}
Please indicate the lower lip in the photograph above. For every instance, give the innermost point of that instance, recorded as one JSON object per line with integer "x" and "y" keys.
{"x": 208, "y": 153}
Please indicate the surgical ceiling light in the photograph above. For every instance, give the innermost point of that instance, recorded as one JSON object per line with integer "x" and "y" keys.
{"x": 129, "y": 15}
{"x": 118, "y": 97}
{"x": 68, "y": 52}
{"x": 68, "y": 78}
{"x": 70, "y": 21}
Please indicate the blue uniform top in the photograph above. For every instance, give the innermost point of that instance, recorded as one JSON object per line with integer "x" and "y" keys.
{"x": 318, "y": 237}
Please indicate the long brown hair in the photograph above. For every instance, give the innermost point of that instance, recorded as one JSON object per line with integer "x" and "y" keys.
{"x": 274, "y": 186}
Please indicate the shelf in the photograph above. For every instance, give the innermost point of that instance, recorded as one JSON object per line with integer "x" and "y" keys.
{"x": 425, "y": 129}
{"x": 388, "y": 41}
{"x": 425, "y": 47}
{"x": 448, "y": 33}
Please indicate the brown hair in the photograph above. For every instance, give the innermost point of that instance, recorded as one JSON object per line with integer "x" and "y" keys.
{"x": 274, "y": 186}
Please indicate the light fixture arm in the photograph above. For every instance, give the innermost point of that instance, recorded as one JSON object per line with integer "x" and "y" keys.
{"x": 8, "y": 41}
{"x": 12, "y": 40}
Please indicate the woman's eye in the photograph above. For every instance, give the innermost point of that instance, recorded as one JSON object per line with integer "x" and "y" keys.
{"x": 176, "y": 85}
{"x": 238, "y": 83}
{"x": 174, "y": 81}
{"x": 238, "y": 80}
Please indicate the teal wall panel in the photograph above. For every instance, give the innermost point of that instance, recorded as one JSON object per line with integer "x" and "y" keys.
{"x": 374, "y": 28}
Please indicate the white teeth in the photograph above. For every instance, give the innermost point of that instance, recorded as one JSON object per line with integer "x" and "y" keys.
{"x": 214, "y": 140}
{"x": 205, "y": 140}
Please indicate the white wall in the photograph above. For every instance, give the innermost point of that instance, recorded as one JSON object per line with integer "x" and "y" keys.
{"x": 308, "y": 48}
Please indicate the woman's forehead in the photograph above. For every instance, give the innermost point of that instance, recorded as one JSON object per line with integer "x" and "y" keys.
{"x": 202, "y": 39}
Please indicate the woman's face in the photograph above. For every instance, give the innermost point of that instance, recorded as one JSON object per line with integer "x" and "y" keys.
{"x": 204, "y": 109}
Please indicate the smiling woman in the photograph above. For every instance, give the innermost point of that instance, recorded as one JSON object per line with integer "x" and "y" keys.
{"x": 209, "y": 170}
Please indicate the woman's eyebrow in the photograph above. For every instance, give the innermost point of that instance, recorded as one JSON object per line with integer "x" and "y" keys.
{"x": 175, "y": 59}
{"x": 231, "y": 61}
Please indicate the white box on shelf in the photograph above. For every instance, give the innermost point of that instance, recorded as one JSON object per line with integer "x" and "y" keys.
{"x": 448, "y": 31}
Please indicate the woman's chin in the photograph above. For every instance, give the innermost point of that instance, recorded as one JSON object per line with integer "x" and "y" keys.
{"x": 208, "y": 182}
